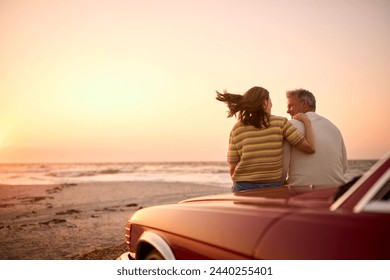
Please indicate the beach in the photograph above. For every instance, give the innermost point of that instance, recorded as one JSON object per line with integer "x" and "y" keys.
{"x": 79, "y": 210}
{"x": 79, "y": 220}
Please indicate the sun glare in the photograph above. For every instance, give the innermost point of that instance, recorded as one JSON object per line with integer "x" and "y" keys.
{"x": 3, "y": 135}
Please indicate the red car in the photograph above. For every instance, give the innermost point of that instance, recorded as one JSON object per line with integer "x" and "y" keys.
{"x": 304, "y": 223}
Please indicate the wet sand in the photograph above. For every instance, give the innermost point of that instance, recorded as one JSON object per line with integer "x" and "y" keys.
{"x": 79, "y": 221}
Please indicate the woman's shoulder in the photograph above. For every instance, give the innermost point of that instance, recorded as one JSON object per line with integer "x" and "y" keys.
{"x": 277, "y": 118}
{"x": 278, "y": 121}
{"x": 238, "y": 124}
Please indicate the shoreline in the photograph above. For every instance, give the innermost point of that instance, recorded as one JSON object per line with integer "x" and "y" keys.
{"x": 79, "y": 221}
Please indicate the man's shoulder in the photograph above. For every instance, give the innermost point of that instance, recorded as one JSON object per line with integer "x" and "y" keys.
{"x": 313, "y": 116}
{"x": 298, "y": 124}
{"x": 317, "y": 119}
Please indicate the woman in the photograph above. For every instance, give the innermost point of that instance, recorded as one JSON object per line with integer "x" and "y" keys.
{"x": 256, "y": 141}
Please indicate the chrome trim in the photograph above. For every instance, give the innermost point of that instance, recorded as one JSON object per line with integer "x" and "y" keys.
{"x": 126, "y": 256}
{"x": 159, "y": 243}
{"x": 362, "y": 179}
{"x": 360, "y": 206}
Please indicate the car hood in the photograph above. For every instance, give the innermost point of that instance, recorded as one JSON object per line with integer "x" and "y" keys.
{"x": 218, "y": 219}
{"x": 294, "y": 196}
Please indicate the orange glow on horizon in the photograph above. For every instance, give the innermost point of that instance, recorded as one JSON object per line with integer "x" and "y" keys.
{"x": 135, "y": 81}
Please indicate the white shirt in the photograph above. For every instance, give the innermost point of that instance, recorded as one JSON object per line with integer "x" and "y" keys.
{"x": 327, "y": 166}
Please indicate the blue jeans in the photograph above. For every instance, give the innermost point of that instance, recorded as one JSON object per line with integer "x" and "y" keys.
{"x": 242, "y": 186}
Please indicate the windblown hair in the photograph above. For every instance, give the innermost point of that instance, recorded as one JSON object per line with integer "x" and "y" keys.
{"x": 249, "y": 106}
{"x": 304, "y": 95}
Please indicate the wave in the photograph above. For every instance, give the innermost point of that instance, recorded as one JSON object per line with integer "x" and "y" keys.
{"x": 75, "y": 174}
{"x": 195, "y": 172}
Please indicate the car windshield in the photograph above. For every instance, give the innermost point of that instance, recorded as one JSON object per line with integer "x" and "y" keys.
{"x": 380, "y": 203}
{"x": 344, "y": 188}
{"x": 384, "y": 193}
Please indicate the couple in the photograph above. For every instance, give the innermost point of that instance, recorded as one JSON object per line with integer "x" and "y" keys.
{"x": 264, "y": 149}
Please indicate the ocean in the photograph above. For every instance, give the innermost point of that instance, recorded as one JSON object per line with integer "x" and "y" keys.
{"x": 210, "y": 173}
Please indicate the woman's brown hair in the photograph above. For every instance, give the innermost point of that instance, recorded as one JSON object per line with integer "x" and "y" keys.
{"x": 250, "y": 106}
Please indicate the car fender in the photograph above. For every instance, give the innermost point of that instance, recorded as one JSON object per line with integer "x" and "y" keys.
{"x": 157, "y": 242}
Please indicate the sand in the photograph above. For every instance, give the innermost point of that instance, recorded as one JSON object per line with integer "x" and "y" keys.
{"x": 79, "y": 221}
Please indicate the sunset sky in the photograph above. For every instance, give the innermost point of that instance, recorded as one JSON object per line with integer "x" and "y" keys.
{"x": 124, "y": 80}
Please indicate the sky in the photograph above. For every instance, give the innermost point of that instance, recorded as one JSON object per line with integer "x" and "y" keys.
{"x": 124, "y": 80}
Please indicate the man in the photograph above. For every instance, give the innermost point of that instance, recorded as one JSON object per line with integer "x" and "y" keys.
{"x": 328, "y": 165}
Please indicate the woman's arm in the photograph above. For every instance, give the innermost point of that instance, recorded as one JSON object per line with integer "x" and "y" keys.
{"x": 232, "y": 169}
{"x": 308, "y": 144}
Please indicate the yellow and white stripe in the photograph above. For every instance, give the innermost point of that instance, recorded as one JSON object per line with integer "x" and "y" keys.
{"x": 258, "y": 153}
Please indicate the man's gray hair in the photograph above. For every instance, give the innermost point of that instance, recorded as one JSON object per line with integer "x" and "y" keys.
{"x": 304, "y": 95}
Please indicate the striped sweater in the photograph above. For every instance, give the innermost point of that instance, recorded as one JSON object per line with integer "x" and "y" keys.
{"x": 258, "y": 153}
